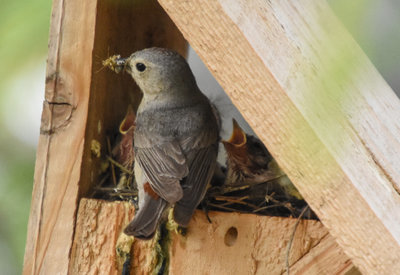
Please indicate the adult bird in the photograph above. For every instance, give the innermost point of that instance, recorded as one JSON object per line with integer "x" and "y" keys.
{"x": 175, "y": 140}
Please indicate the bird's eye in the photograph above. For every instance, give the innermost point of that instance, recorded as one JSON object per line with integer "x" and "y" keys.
{"x": 140, "y": 67}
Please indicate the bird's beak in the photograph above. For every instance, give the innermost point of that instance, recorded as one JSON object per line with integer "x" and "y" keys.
{"x": 128, "y": 122}
{"x": 121, "y": 64}
{"x": 236, "y": 146}
{"x": 238, "y": 137}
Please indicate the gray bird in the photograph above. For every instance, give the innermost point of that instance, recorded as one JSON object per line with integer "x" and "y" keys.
{"x": 176, "y": 139}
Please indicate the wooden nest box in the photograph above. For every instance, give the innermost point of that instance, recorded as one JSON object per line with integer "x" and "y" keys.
{"x": 301, "y": 82}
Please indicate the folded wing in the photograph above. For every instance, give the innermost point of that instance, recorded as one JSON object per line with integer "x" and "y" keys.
{"x": 165, "y": 166}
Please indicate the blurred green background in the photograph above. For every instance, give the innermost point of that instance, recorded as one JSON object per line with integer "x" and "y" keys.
{"x": 24, "y": 29}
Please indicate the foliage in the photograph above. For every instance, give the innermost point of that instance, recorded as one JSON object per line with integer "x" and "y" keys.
{"x": 23, "y": 32}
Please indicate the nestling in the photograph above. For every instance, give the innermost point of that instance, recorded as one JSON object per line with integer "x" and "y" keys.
{"x": 123, "y": 151}
{"x": 176, "y": 139}
{"x": 249, "y": 162}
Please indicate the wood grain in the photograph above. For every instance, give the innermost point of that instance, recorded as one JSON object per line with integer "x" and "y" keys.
{"x": 319, "y": 105}
{"x": 324, "y": 258}
{"x": 59, "y": 153}
{"x": 98, "y": 227}
{"x": 83, "y": 102}
{"x": 258, "y": 248}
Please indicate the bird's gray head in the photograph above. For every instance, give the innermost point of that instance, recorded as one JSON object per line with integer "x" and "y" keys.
{"x": 158, "y": 70}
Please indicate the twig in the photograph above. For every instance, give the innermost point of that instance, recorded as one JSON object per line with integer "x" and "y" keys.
{"x": 271, "y": 198}
{"x": 112, "y": 164}
{"x": 233, "y": 189}
{"x": 119, "y": 165}
{"x": 109, "y": 189}
{"x": 115, "y": 190}
{"x": 98, "y": 186}
{"x": 287, "y": 205}
{"x": 292, "y": 238}
{"x": 225, "y": 198}
{"x": 266, "y": 207}
{"x": 237, "y": 200}
{"x": 131, "y": 180}
{"x": 226, "y": 208}
{"x": 229, "y": 189}
{"x": 124, "y": 194}
{"x": 231, "y": 200}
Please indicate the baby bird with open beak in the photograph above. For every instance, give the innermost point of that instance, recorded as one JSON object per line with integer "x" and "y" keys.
{"x": 249, "y": 163}
{"x": 176, "y": 139}
{"x": 123, "y": 151}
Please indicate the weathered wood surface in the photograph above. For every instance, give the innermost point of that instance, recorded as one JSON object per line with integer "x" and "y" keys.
{"x": 319, "y": 105}
{"x": 98, "y": 227}
{"x": 258, "y": 248}
{"x": 98, "y": 233}
{"x": 83, "y": 102}
{"x": 325, "y": 258}
{"x": 61, "y": 142}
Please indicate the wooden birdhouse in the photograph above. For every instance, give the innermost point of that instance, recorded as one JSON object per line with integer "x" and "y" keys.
{"x": 297, "y": 77}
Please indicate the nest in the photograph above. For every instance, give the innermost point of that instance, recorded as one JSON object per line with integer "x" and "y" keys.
{"x": 267, "y": 198}
{"x": 262, "y": 199}
{"x": 118, "y": 181}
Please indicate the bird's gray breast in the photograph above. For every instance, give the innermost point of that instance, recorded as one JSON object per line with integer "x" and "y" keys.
{"x": 181, "y": 123}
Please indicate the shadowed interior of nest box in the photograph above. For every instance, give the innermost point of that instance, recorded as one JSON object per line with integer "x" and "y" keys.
{"x": 122, "y": 27}
{"x": 107, "y": 173}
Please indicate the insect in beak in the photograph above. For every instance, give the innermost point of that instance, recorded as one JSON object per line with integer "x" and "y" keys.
{"x": 122, "y": 64}
{"x": 117, "y": 64}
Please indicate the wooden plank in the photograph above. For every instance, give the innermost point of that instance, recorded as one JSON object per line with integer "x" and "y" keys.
{"x": 98, "y": 235}
{"x": 59, "y": 154}
{"x": 97, "y": 229}
{"x": 258, "y": 248}
{"x": 319, "y": 105}
{"x": 324, "y": 258}
{"x": 83, "y": 102}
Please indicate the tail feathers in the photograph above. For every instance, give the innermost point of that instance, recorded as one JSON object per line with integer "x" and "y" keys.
{"x": 195, "y": 184}
{"x": 182, "y": 214}
{"x": 145, "y": 222}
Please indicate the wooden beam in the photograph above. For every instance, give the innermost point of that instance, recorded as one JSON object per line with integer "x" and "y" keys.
{"x": 319, "y": 105}
{"x": 324, "y": 258}
{"x": 83, "y": 103}
{"x": 99, "y": 224}
{"x": 61, "y": 142}
{"x": 258, "y": 246}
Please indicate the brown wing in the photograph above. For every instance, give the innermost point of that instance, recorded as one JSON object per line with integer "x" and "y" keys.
{"x": 164, "y": 166}
{"x": 194, "y": 186}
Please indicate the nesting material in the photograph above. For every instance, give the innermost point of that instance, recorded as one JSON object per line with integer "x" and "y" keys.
{"x": 262, "y": 197}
